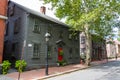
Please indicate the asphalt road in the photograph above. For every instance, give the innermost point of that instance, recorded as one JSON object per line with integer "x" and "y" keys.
{"x": 108, "y": 71}
{"x": 2, "y": 77}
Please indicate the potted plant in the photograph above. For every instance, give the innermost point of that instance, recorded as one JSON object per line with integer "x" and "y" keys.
{"x": 20, "y": 65}
{"x": 61, "y": 53}
{"x": 83, "y": 57}
{"x": 58, "y": 64}
{"x": 5, "y": 66}
{"x": 61, "y": 63}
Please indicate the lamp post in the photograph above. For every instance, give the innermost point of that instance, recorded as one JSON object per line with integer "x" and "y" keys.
{"x": 47, "y": 37}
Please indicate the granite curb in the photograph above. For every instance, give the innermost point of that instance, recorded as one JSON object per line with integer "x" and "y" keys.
{"x": 78, "y": 67}
{"x": 66, "y": 72}
{"x": 61, "y": 73}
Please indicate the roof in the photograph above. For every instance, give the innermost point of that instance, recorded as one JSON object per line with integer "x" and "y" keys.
{"x": 39, "y": 14}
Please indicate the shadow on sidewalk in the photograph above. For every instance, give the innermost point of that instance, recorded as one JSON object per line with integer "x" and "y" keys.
{"x": 53, "y": 71}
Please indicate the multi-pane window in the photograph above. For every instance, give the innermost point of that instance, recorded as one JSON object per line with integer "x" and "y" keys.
{"x": 6, "y": 29}
{"x": 15, "y": 47}
{"x": 49, "y": 29}
{"x": 82, "y": 50}
{"x": 61, "y": 34}
{"x": 82, "y": 40}
{"x": 11, "y": 10}
{"x": 36, "y": 50}
{"x": 17, "y": 25}
{"x": 36, "y": 27}
{"x": 70, "y": 53}
{"x": 76, "y": 53}
{"x": 70, "y": 36}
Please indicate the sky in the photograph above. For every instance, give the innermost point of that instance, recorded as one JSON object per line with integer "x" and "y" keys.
{"x": 35, "y": 5}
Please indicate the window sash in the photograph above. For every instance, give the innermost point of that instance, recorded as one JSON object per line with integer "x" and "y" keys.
{"x": 17, "y": 25}
{"x": 36, "y": 50}
{"x": 36, "y": 27}
{"x": 6, "y": 29}
{"x": 82, "y": 40}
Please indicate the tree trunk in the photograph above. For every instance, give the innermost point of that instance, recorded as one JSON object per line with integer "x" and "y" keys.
{"x": 88, "y": 45}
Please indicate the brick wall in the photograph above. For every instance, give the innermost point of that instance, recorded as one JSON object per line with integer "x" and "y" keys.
{"x": 3, "y": 11}
{"x": 3, "y": 7}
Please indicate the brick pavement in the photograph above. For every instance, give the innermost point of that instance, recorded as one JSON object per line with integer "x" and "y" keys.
{"x": 39, "y": 74}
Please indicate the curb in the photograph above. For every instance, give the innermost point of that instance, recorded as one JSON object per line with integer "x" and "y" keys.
{"x": 66, "y": 72}
{"x": 61, "y": 73}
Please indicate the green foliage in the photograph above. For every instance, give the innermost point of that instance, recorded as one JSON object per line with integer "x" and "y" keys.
{"x": 99, "y": 14}
{"x": 82, "y": 56}
{"x": 61, "y": 63}
{"x": 118, "y": 39}
{"x": 20, "y": 65}
{"x": 5, "y": 66}
{"x": 61, "y": 53}
{"x": 118, "y": 35}
{"x": 90, "y": 16}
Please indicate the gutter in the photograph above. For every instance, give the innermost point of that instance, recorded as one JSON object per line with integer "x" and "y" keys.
{"x": 3, "y": 17}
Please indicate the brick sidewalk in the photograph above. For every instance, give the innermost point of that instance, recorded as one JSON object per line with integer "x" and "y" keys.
{"x": 39, "y": 74}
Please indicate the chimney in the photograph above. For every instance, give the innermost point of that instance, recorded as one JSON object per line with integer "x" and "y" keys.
{"x": 43, "y": 9}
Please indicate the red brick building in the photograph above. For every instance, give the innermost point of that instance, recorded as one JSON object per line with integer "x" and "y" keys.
{"x": 3, "y": 12}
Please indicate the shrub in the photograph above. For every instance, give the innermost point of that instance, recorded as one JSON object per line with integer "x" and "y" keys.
{"x": 61, "y": 63}
{"x": 82, "y": 56}
{"x": 5, "y": 66}
{"x": 20, "y": 65}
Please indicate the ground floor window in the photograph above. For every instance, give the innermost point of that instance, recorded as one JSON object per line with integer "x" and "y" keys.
{"x": 36, "y": 50}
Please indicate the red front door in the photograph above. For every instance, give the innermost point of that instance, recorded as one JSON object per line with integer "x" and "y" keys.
{"x": 60, "y": 54}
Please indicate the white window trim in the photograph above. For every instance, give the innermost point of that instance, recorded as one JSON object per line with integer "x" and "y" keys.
{"x": 3, "y": 17}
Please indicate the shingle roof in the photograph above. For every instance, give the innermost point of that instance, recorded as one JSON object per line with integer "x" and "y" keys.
{"x": 39, "y": 14}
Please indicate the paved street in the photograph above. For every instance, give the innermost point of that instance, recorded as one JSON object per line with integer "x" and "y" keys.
{"x": 109, "y": 71}
{"x": 2, "y": 77}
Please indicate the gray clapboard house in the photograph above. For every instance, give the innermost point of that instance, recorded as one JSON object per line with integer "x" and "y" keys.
{"x": 25, "y": 37}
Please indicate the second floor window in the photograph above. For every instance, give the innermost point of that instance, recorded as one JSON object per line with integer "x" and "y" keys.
{"x": 61, "y": 34}
{"x": 17, "y": 25}
{"x": 36, "y": 27}
{"x": 82, "y": 39}
{"x": 6, "y": 29}
{"x": 11, "y": 10}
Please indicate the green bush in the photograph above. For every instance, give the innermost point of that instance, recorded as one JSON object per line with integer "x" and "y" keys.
{"x": 82, "y": 56}
{"x": 5, "y": 66}
{"x": 61, "y": 63}
{"x": 20, "y": 65}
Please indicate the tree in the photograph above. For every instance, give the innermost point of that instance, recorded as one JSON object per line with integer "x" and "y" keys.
{"x": 89, "y": 16}
{"x": 117, "y": 21}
